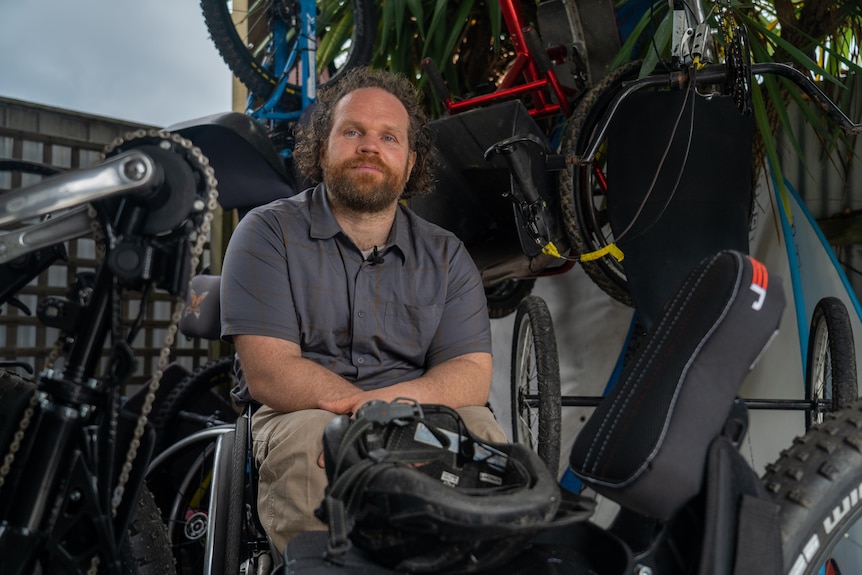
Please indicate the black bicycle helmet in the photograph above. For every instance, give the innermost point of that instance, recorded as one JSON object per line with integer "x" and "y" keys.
{"x": 411, "y": 487}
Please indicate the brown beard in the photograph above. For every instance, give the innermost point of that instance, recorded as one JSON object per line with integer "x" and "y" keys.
{"x": 360, "y": 192}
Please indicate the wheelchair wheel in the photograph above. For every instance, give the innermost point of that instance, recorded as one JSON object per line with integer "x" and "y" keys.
{"x": 197, "y": 401}
{"x": 210, "y": 510}
{"x": 831, "y": 363}
{"x": 536, "y": 402}
{"x": 345, "y": 33}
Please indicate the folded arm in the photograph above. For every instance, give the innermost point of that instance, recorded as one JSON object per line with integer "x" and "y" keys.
{"x": 459, "y": 382}
{"x": 278, "y": 376}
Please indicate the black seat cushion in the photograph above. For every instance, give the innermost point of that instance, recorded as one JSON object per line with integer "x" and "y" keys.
{"x": 645, "y": 445}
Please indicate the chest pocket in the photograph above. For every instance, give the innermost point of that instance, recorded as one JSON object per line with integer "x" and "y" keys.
{"x": 411, "y": 327}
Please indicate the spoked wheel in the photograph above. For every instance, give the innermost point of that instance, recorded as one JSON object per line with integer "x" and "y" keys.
{"x": 185, "y": 501}
{"x": 536, "y": 397}
{"x": 181, "y": 482}
{"x": 830, "y": 378}
{"x": 250, "y": 42}
{"x": 583, "y": 189}
{"x": 197, "y": 401}
{"x": 816, "y": 484}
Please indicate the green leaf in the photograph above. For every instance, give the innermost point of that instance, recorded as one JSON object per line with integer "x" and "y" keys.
{"x": 461, "y": 15}
{"x": 416, "y": 11}
{"x": 661, "y": 40}
{"x": 625, "y": 53}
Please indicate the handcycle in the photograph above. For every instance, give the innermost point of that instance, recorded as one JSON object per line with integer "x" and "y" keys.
{"x": 664, "y": 445}
{"x": 175, "y": 403}
{"x": 74, "y": 461}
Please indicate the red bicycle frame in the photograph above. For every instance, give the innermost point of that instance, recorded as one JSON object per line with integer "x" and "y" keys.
{"x": 539, "y": 79}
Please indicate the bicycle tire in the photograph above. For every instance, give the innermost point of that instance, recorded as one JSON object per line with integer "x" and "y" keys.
{"x": 167, "y": 421}
{"x": 536, "y": 374}
{"x": 831, "y": 360}
{"x": 27, "y": 167}
{"x": 147, "y": 543}
{"x": 581, "y": 198}
{"x": 246, "y": 54}
{"x": 146, "y": 550}
{"x": 816, "y": 484}
{"x": 504, "y": 297}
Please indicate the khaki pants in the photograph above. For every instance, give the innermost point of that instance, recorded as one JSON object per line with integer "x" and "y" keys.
{"x": 286, "y": 447}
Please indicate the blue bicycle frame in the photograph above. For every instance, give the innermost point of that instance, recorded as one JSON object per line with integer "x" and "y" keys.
{"x": 285, "y": 58}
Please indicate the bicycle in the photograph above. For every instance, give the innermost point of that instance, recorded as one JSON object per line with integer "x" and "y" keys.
{"x": 72, "y": 479}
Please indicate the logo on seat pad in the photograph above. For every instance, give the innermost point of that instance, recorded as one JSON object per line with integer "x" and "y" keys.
{"x": 759, "y": 281}
{"x": 195, "y": 306}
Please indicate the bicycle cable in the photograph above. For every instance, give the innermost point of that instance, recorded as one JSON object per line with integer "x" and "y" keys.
{"x": 689, "y": 93}
{"x": 612, "y": 248}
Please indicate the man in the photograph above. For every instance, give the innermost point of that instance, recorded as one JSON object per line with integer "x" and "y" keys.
{"x": 341, "y": 295}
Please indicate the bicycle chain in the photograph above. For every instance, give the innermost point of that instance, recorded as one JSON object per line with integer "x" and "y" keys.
{"x": 194, "y": 155}
{"x": 200, "y": 162}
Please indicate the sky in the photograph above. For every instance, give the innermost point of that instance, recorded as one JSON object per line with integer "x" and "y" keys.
{"x": 144, "y": 61}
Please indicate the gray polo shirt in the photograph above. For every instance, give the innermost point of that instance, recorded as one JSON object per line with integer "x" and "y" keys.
{"x": 291, "y": 273}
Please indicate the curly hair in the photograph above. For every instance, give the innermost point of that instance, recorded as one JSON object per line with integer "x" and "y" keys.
{"x": 311, "y": 137}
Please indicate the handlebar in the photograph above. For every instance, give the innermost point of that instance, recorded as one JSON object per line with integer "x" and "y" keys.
{"x": 717, "y": 74}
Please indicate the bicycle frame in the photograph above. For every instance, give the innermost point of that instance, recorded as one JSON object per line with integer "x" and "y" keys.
{"x": 303, "y": 49}
{"x": 532, "y": 62}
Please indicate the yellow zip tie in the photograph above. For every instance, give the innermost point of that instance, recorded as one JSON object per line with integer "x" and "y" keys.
{"x": 608, "y": 249}
{"x": 551, "y": 250}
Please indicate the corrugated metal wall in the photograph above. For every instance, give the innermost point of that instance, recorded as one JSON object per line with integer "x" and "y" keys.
{"x": 829, "y": 183}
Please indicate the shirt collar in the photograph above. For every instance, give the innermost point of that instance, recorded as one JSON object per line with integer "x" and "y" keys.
{"x": 324, "y": 225}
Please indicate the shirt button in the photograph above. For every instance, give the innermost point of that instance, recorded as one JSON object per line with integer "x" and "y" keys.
{"x": 360, "y": 360}
{"x": 361, "y": 314}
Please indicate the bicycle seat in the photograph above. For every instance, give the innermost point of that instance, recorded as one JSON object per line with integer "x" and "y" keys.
{"x": 249, "y": 168}
{"x": 645, "y": 446}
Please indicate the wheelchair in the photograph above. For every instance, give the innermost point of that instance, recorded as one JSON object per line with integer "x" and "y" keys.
{"x": 206, "y": 482}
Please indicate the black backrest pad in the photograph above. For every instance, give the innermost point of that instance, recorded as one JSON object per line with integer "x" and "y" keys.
{"x": 645, "y": 445}
{"x": 202, "y": 314}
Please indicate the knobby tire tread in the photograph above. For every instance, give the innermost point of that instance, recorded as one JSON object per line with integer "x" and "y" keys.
{"x": 147, "y": 543}
{"x": 533, "y": 309}
{"x": 817, "y": 484}
{"x": 212, "y": 374}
